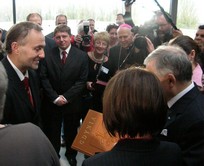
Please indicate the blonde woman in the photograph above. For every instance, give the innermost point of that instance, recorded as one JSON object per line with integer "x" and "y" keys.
{"x": 98, "y": 69}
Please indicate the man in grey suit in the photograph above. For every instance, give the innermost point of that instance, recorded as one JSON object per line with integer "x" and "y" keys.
{"x": 63, "y": 75}
{"x": 185, "y": 119}
{"x": 24, "y": 45}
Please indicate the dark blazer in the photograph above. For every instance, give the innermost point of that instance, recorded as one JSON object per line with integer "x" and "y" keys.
{"x": 50, "y": 43}
{"x": 68, "y": 79}
{"x": 18, "y": 108}
{"x": 185, "y": 126}
{"x": 138, "y": 152}
{"x": 50, "y": 35}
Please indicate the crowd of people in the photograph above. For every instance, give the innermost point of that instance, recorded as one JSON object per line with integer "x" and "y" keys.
{"x": 149, "y": 88}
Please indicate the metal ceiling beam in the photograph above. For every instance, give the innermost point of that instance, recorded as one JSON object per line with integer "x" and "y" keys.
{"x": 14, "y": 11}
{"x": 173, "y": 10}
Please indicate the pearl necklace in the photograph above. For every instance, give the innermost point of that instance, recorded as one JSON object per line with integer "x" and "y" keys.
{"x": 96, "y": 59}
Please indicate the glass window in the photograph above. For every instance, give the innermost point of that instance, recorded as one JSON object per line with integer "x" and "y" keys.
{"x": 103, "y": 12}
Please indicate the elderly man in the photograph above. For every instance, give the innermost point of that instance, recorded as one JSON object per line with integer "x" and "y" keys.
{"x": 124, "y": 55}
{"x": 185, "y": 121}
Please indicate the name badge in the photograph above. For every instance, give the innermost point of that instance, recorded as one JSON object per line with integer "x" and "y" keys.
{"x": 104, "y": 69}
{"x": 164, "y": 132}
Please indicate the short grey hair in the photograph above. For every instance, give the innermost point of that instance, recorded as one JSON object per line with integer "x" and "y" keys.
{"x": 3, "y": 88}
{"x": 80, "y": 28}
{"x": 171, "y": 59}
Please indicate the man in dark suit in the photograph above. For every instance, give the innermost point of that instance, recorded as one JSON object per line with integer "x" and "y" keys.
{"x": 50, "y": 43}
{"x": 24, "y": 45}
{"x": 63, "y": 74}
{"x": 14, "y": 137}
{"x": 185, "y": 120}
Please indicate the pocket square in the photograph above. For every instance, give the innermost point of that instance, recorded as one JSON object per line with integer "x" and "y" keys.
{"x": 164, "y": 132}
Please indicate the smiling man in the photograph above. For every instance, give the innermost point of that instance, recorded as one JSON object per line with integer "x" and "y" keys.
{"x": 24, "y": 45}
{"x": 63, "y": 74}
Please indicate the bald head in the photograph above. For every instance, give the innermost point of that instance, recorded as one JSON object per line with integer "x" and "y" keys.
{"x": 35, "y": 18}
{"x": 125, "y": 36}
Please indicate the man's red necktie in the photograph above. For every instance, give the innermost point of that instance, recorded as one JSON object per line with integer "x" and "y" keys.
{"x": 27, "y": 88}
{"x": 64, "y": 56}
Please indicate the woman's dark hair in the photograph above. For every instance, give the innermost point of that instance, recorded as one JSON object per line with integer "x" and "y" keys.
{"x": 134, "y": 104}
{"x": 111, "y": 26}
{"x": 187, "y": 44}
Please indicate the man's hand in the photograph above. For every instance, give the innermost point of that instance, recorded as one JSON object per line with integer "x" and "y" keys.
{"x": 176, "y": 33}
{"x": 150, "y": 46}
{"x": 89, "y": 85}
{"x": 61, "y": 101}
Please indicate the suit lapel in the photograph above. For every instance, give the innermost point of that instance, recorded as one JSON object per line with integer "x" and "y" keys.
{"x": 69, "y": 57}
{"x": 57, "y": 58}
{"x": 16, "y": 84}
{"x": 181, "y": 105}
{"x": 34, "y": 90}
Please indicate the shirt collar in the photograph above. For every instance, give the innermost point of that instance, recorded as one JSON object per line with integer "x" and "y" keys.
{"x": 67, "y": 50}
{"x": 18, "y": 72}
{"x": 173, "y": 100}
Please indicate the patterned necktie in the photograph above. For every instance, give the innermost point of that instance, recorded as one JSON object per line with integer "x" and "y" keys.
{"x": 27, "y": 88}
{"x": 64, "y": 53}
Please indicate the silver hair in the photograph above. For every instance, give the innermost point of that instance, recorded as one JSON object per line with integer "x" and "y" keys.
{"x": 171, "y": 59}
{"x": 80, "y": 28}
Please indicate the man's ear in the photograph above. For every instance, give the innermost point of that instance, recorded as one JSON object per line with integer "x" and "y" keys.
{"x": 171, "y": 80}
{"x": 15, "y": 47}
{"x": 191, "y": 56}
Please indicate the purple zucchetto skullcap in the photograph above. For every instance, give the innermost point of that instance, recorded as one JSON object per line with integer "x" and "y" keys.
{"x": 125, "y": 26}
